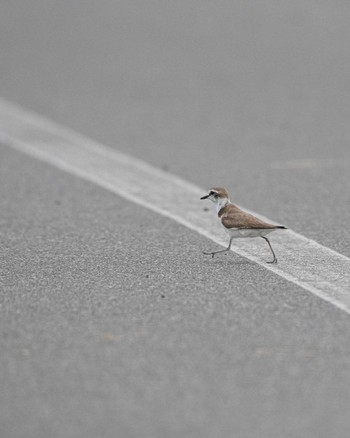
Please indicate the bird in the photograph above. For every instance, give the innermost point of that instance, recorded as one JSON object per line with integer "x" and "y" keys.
{"x": 238, "y": 223}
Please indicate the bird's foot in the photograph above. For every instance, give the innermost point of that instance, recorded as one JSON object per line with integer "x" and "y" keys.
{"x": 209, "y": 253}
{"x": 273, "y": 262}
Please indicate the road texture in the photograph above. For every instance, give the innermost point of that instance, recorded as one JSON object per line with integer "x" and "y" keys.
{"x": 112, "y": 322}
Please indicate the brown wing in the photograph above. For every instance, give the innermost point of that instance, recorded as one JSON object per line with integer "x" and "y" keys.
{"x": 233, "y": 217}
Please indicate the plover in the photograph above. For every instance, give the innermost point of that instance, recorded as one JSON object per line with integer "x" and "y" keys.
{"x": 238, "y": 223}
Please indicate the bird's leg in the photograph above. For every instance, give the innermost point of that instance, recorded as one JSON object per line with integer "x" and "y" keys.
{"x": 221, "y": 250}
{"x": 273, "y": 253}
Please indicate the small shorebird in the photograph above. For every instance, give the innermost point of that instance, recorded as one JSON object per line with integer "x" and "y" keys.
{"x": 237, "y": 222}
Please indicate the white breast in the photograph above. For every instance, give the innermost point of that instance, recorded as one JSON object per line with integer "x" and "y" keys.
{"x": 237, "y": 233}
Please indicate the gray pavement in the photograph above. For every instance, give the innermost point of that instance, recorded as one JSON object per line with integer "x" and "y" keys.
{"x": 110, "y": 329}
{"x": 117, "y": 328}
{"x": 215, "y": 92}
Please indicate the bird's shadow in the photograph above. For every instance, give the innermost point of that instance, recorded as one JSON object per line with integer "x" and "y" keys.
{"x": 227, "y": 260}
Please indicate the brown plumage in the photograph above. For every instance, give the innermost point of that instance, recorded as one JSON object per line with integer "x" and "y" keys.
{"x": 233, "y": 217}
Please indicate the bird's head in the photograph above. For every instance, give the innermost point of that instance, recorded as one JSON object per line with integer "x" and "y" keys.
{"x": 218, "y": 195}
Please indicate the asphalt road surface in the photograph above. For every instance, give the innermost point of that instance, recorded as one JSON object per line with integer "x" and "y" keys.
{"x": 112, "y": 322}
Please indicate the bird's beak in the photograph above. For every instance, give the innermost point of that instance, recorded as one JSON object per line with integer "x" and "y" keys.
{"x": 205, "y": 197}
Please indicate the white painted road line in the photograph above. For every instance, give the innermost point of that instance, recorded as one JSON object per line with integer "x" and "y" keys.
{"x": 302, "y": 261}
